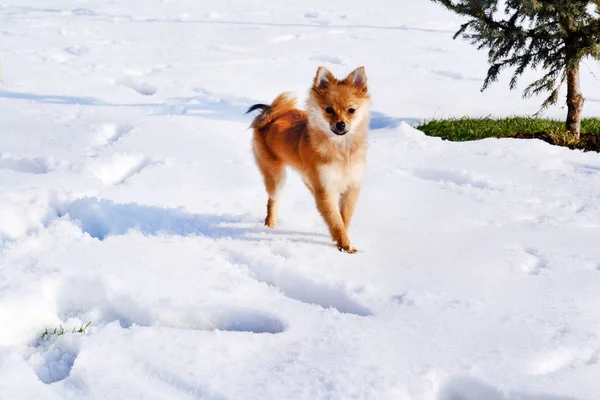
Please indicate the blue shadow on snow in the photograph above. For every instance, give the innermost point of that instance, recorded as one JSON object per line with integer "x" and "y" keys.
{"x": 205, "y": 105}
{"x": 103, "y": 218}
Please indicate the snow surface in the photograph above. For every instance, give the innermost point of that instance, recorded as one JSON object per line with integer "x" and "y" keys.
{"x": 129, "y": 199}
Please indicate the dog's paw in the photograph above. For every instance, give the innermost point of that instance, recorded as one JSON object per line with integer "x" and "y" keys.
{"x": 347, "y": 249}
{"x": 271, "y": 223}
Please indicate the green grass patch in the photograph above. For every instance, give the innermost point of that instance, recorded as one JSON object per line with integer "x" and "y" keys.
{"x": 49, "y": 332}
{"x": 463, "y": 129}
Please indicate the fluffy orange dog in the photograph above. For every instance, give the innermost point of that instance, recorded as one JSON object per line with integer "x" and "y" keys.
{"x": 326, "y": 144}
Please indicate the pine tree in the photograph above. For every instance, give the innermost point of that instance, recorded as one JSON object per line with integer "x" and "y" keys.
{"x": 552, "y": 35}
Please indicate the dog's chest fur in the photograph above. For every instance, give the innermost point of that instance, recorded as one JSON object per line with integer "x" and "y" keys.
{"x": 339, "y": 176}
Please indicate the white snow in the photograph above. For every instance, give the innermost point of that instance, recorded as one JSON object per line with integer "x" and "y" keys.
{"x": 129, "y": 199}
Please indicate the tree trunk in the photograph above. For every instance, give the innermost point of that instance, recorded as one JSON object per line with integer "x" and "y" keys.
{"x": 574, "y": 101}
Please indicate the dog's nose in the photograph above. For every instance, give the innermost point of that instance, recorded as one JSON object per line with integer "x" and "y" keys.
{"x": 340, "y": 126}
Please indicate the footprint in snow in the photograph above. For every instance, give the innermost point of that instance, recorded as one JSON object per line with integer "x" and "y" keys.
{"x": 404, "y": 299}
{"x": 246, "y": 320}
{"x": 467, "y": 388}
{"x": 54, "y": 361}
{"x": 302, "y": 289}
{"x": 531, "y": 261}
{"x": 330, "y": 59}
{"x": 91, "y": 299}
{"x": 561, "y": 358}
{"x": 141, "y": 87}
{"x": 457, "y": 178}
{"x": 119, "y": 168}
{"x": 223, "y": 318}
{"x": 587, "y": 169}
{"x": 108, "y": 134}
{"x": 77, "y": 50}
{"x": 452, "y": 75}
{"x": 27, "y": 165}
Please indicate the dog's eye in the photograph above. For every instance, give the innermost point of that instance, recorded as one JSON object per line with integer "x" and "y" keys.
{"x": 351, "y": 110}
{"x": 329, "y": 110}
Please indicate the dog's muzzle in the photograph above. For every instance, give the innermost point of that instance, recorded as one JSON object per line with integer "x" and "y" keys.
{"x": 340, "y": 128}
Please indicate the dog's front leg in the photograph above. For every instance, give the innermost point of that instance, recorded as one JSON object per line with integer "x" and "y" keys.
{"x": 327, "y": 203}
{"x": 348, "y": 201}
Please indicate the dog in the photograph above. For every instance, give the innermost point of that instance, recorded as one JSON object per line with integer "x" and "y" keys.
{"x": 326, "y": 144}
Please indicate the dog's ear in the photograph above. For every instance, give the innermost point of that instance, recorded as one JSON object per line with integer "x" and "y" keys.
{"x": 358, "y": 78}
{"x": 323, "y": 78}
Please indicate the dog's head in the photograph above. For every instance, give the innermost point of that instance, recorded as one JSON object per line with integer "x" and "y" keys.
{"x": 338, "y": 107}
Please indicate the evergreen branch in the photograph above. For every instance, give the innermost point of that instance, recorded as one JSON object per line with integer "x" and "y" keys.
{"x": 550, "y": 100}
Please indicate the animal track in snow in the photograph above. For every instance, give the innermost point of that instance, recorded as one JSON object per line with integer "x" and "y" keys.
{"x": 464, "y": 387}
{"x": 111, "y": 133}
{"x": 587, "y": 169}
{"x": 443, "y": 176}
{"x": 246, "y": 320}
{"x": 119, "y": 168}
{"x": 561, "y": 358}
{"x": 222, "y": 318}
{"x": 77, "y": 50}
{"x": 142, "y": 88}
{"x": 433, "y": 49}
{"x": 28, "y": 165}
{"x": 531, "y": 262}
{"x": 405, "y": 299}
{"x": 302, "y": 289}
{"x": 102, "y": 218}
{"x": 330, "y": 59}
{"x": 141, "y": 71}
{"x": 54, "y": 361}
{"x": 88, "y": 299}
{"x": 453, "y": 75}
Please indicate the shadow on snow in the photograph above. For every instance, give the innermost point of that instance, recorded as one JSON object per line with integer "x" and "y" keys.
{"x": 103, "y": 218}
{"x": 205, "y": 105}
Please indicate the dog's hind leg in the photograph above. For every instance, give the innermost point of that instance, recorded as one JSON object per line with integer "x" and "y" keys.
{"x": 273, "y": 172}
{"x": 274, "y": 176}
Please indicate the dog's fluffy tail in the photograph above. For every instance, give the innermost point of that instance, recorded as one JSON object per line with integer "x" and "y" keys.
{"x": 282, "y": 104}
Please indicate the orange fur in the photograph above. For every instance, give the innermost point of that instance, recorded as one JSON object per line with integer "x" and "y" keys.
{"x": 313, "y": 143}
